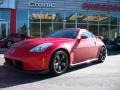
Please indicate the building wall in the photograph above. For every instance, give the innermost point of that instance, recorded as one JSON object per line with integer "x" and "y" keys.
{"x": 75, "y": 5}
{"x": 70, "y": 11}
{"x": 6, "y": 17}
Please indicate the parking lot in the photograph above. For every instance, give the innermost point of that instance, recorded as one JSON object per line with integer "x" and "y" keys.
{"x": 89, "y": 76}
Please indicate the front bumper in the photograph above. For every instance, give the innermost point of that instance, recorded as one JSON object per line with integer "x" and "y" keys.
{"x": 25, "y": 71}
{"x": 27, "y": 61}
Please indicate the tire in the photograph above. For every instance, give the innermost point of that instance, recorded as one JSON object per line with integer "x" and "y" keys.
{"x": 9, "y": 44}
{"x": 59, "y": 63}
{"x": 102, "y": 55}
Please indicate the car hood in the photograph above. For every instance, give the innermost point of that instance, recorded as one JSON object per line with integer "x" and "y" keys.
{"x": 37, "y": 41}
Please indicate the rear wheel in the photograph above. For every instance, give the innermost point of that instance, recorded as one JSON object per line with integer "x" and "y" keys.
{"x": 9, "y": 44}
{"x": 102, "y": 55}
{"x": 59, "y": 63}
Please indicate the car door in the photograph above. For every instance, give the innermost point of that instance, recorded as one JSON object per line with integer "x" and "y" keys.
{"x": 86, "y": 48}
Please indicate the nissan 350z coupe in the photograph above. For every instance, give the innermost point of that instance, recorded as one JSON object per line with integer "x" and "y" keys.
{"x": 55, "y": 53}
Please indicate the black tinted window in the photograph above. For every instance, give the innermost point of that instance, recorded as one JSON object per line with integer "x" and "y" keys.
{"x": 64, "y": 34}
{"x": 87, "y": 34}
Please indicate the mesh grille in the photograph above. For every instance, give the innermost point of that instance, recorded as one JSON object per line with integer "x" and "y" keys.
{"x": 14, "y": 63}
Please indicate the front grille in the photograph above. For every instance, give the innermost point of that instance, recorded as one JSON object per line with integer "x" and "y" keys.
{"x": 14, "y": 63}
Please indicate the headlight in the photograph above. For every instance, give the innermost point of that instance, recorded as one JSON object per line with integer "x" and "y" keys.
{"x": 41, "y": 47}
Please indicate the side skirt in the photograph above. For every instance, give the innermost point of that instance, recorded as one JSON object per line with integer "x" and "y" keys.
{"x": 86, "y": 61}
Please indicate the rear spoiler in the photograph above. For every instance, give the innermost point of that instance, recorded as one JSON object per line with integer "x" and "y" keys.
{"x": 100, "y": 37}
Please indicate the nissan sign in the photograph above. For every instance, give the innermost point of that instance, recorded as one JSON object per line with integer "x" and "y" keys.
{"x": 42, "y": 4}
{"x": 101, "y": 6}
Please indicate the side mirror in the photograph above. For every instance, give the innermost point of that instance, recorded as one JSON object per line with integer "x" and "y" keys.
{"x": 84, "y": 37}
{"x": 100, "y": 37}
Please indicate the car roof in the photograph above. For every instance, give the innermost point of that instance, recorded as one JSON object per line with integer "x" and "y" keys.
{"x": 76, "y": 29}
{"x": 72, "y": 29}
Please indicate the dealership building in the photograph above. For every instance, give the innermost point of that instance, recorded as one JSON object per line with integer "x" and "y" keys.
{"x": 39, "y": 17}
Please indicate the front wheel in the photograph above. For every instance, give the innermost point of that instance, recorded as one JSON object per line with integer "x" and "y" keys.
{"x": 59, "y": 63}
{"x": 102, "y": 55}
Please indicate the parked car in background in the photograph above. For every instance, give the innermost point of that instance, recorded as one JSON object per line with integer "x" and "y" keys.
{"x": 116, "y": 43}
{"x": 11, "y": 39}
{"x": 57, "y": 52}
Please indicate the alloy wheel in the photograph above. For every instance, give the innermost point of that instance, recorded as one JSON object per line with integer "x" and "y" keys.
{"x": 59, "y": 63}
{"x": 102, "y": 54}
{"x": 9, "y": 44}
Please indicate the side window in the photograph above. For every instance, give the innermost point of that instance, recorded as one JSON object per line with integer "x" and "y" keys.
{"x": 93, "y": 36}
{"x": 87, "y": 34}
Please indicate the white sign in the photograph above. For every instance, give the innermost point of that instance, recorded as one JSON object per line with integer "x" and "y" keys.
{"x": 41, "y": 4}
{"x": 7, "y": 4}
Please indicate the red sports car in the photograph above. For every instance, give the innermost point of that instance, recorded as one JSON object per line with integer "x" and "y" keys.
{"x": 11, "y": 39}
{"x": 55, "y": 53}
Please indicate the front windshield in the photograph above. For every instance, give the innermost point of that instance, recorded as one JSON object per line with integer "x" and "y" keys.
{"x": 64, "y": 34}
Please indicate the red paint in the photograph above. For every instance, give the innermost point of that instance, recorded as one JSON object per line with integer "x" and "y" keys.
{"x": 13, "y": 21}
{"x": 78, "y": 49}
{"x": 101, "y": 7}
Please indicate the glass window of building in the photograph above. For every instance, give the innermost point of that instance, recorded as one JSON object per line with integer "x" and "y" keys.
{"x": 46, "y": 23}
{"x": 58, "y": 16}
{"x": 82, "y": 17}
{"x": 104, "y": 19}
{"x": 69, "y": 25}
{"x": 83, "y": 26}
{"x": 104, "y": 28}
{"x": 93, "y": 18}
{"x": 114, "y": 32}
{"x": 113, "y": 20}
{"x": 34, "y": 29}
{"x": 94, "y": 29}
{"x": 4, "y": 14}
{"x": 22, "y": 21}
{"x": 58, "y": 20}
{"x": 46, "y": 28}
{"x": 34, "y": 15}
{"x": 71, "y": 19}
{"x": 40, "y": 23}
{"x": 104, "y": 31}
{"x": 46, "y": 16}
{"x": 34, "y": 22}
{"x": 57, "y": 25}
{"x": 4, "y": 22}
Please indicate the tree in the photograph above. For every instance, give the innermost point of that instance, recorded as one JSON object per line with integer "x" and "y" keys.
{"x": 23, "y": 29}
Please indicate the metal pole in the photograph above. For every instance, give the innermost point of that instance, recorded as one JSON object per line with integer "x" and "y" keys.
{"x": 52, "y": 21}
{"x": 109, "y": 26}
{"x": 98, "y": 24}
{"x": 28, "y": 30}
{"x": 76, "y": 20}
{"x": 40, "y": 25}
{"x": 119, "y": 25}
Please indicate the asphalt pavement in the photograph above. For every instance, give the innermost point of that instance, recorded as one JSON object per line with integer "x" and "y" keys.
{"x": 88, "y": 76}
